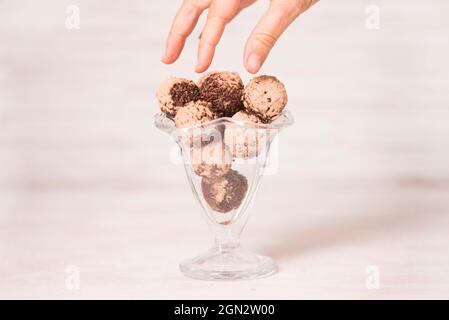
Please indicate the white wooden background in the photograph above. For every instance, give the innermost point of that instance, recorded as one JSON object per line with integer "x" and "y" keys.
{"x": 86, "y": 180}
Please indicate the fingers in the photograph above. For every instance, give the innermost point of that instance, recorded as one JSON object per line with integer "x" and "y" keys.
{"x": 279, "y": 16}
{"x": 220, "y": 13}
{"x": 183, "y": 25}
{"x": 246, "y": 3}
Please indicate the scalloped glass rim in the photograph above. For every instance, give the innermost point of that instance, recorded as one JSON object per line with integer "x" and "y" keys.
{"x": 167, "y": 125}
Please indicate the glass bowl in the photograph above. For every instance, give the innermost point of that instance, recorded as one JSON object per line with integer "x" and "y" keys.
{"x": 224, "y": 160}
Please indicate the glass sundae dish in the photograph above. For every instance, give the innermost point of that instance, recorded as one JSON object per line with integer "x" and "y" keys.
{"x": 224, "y": 160}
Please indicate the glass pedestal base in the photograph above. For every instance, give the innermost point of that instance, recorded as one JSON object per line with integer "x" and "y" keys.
{"x": 229, "y": 264}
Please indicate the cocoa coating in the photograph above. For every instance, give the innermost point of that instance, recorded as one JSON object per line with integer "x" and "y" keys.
{"x": 266, "y": 97}
{"x": 224, "y": 90}
{"x": 211, "y": 160}
{"x": 196, "y": 112}
{"x": 174, "y": 93}
{"x": 245, "y": 141}
{"x": 225, "y": 193}
{"x": 247, "y": 117}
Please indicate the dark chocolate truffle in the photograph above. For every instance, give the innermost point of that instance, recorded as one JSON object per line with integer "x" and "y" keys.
{"x": 175, "y": 93}
{"x": 266, "y": 97}
{"x": 225, "y": 193}
{"x": 224, "y": 90}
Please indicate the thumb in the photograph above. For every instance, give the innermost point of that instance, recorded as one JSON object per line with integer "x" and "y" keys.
{"x": 276, "y": 19}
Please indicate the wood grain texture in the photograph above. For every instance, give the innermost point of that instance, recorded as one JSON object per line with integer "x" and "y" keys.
{"x": 86, "y": 180}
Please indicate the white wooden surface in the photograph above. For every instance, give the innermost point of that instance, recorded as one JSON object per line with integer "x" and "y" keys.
{"x": 87, "y": 181}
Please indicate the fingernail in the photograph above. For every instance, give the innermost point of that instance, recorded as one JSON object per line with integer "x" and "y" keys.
{"x": 253, "y": 63}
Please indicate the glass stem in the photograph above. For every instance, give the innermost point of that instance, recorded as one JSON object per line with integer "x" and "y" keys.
{"x": 227, "y": 246}
{"x": 226, "y": 239}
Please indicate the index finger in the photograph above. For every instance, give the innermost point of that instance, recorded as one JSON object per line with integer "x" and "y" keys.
{"x": 182, "y": 26}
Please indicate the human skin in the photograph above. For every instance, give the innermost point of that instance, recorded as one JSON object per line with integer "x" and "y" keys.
{"x": 279, "y": 15}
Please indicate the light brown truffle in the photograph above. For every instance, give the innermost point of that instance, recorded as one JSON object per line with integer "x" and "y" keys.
{"x": 211, "y": 160}
{"x": 266, "y": 97}
{"x": 224, "y": 90}
{"x": 245, "y": 141}
{"x": 174, "y": 93}
{"x": 225, "y": 193}
{"x": 247, "y": 117}
{"x": 197, "y": 112}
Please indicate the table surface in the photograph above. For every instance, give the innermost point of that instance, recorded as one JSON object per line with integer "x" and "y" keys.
{"x": 93, "y": 203}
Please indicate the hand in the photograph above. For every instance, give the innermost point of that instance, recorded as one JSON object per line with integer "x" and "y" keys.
{"x": 280, "y": 14}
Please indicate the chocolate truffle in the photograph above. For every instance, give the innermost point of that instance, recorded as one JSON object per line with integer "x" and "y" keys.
{"x": 224, "y": 90}
{"x": 225, "y": 193}
{"x": 266, "y": 97}
{"x": 247, "y": 117}
{"x": 211, "y": 160}
{"x": 245, "y": 141}
{"x": 196, "y": 112}
{"x": 174, "y": 93}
